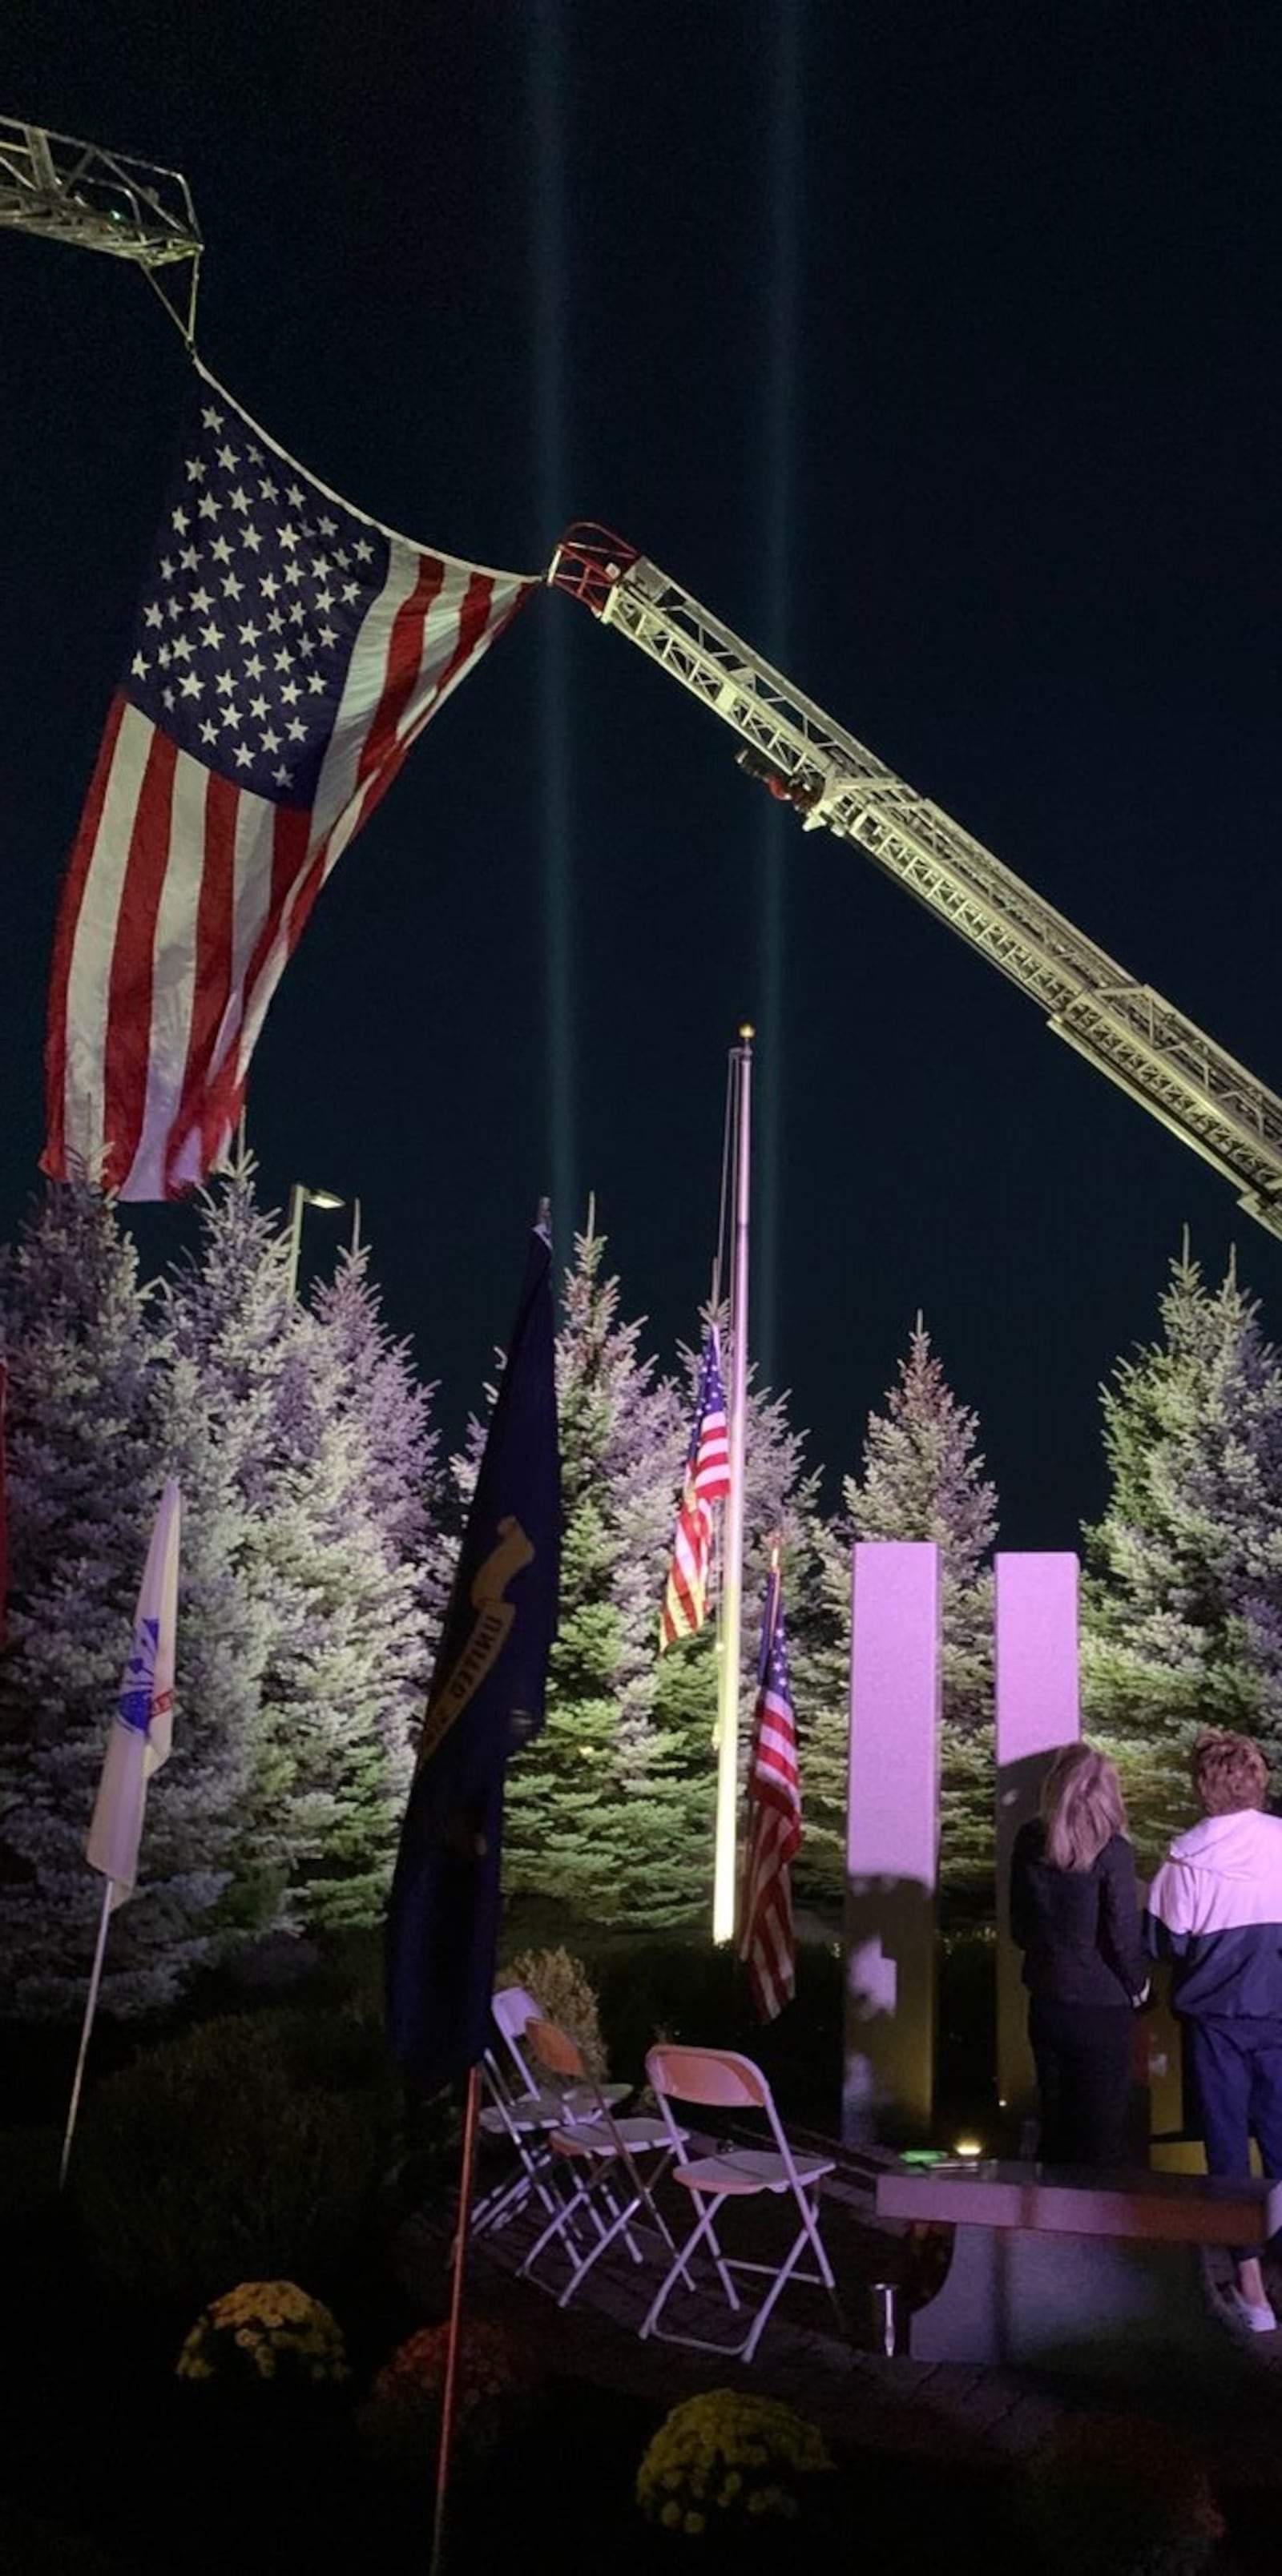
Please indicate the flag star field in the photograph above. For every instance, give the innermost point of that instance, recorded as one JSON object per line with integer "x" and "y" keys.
{"x": 246, "y": 629}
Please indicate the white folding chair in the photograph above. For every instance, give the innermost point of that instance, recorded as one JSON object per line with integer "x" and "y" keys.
{"x": 523, "y": 2111}
{"x": 604, "y": 2193}
{"x": 523, "y": 2125}
{"x": 514, "y": 2008}
{"x": 718, "y": 2079}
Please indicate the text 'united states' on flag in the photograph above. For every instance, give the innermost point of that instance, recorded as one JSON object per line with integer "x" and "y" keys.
{"x": 707, "y": 1481}
{"x": 287, "y": 653}
{"x": 766, "y": 1941}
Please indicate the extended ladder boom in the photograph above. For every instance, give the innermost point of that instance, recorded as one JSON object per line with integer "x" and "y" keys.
{"x": 1144, "y": 1045}
{"x": 68, "y": 191}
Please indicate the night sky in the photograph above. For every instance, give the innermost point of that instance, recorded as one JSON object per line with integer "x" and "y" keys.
{"x": 936, "y": 350}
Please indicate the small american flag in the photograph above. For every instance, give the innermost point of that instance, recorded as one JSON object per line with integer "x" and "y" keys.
{"x": 774, "y": 1822}
{"x": 707, "y": 1479}
{"x": 287, "y": 653}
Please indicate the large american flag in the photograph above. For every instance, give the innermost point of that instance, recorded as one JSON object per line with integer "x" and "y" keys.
{"x": 707, "y": 1479}
{"x": 774, "y": 1822}
{"x": 287, "y": 653}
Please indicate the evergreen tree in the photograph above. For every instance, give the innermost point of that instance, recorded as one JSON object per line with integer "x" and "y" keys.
{"x": 222, "y": 1637}
{"x": 922, "y": 1478}
{"x": 343, "y": 1624}
{"x": 86, "y": 1423}
{"x": 232, "y": 1326}
{"x": 817, "y": 1595}
{"x": 611, "y": 1809}
{"x": 1180, "y": 1625}
{"x": 407, "y": 1491}
{"x": 606, "y": 1809}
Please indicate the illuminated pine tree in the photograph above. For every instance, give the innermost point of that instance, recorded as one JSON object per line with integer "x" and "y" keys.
{"x": 611, "y": 1809}
{"x": 91, "y": 1433}
{"x": 608, "y": 1810}
{"x": 922, "y": 1478}
{"x": 345, "y": 1657}
{"x": 380, "y": 1392}
{"x": 1182, "y": 1603}
{"x": 817, "y": 1592}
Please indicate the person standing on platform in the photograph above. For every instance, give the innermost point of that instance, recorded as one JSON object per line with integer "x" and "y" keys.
{"x": 1075, "y": 1914}
{"x": 1215, "y": 1910}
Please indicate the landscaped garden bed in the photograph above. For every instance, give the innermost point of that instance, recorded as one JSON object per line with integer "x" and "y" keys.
{"x": 219, "y": 2358}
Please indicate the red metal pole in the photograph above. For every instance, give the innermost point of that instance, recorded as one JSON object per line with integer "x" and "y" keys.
{"x": 449, "y": 2394}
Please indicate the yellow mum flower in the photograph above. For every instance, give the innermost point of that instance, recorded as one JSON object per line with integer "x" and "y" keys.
{"x": 694, "y": 2469}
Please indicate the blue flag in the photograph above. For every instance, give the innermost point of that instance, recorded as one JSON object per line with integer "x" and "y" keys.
{"x": 486, "y": 1698}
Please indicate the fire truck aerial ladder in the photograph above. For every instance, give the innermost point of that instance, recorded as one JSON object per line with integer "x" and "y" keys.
{"x": 1126, "y": 1029}
{"x": 72, "y": 192}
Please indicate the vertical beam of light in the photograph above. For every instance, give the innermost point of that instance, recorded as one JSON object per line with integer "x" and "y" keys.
{"x": 777, "y": 518}
{"x": 548, "y": 83}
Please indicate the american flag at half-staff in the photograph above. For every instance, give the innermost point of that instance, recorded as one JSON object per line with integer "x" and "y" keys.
{"x": 287, "y": 653}
{"x": 774, "y": 1821}
{"x": 707, "y": 1481}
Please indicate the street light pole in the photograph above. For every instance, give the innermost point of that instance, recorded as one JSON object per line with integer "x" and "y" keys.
{"x": 299, "y": 1198}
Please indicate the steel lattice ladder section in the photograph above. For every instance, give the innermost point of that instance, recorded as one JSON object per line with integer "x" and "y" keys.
{"x": 1139, "y": 1040}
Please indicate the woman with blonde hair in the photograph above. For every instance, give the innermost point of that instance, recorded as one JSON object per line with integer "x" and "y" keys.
{"x": 1074, "y": 1912}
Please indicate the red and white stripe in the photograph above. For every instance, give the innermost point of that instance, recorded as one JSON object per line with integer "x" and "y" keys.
{"x": 707, "y": 1481}
{"x": 186, "y": 896}
{"x": 685, "y": 1597}
{"x": 774, "y": 1834}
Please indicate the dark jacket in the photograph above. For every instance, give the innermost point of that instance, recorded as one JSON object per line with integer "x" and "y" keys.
{"x": 1215, "y": 1908}
{"x": 1079, "y": 1929}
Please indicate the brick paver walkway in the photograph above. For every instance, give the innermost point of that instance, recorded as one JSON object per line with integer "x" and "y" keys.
{"x": 825, "y": 2366}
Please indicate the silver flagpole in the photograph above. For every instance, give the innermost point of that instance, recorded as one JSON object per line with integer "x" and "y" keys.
{"x": 724, "y": 1883}
{"x": 94, "y": 1983}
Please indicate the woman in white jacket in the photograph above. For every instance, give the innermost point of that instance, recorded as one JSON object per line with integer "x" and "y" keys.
{"x": 1215, "y": 1910}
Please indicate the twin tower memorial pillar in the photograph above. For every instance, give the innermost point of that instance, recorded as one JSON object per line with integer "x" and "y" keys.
{"x": 892, "y": 1835}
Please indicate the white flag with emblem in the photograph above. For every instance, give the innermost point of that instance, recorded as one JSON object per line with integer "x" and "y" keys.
{"x": 142, "y": 1727}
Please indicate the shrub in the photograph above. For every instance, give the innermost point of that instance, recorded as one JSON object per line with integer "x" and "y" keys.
{"x": 730, "y": 2463}
{"x": 265, "y": 2331}
{"x": 401, "y": 2423}
{"x": 692, "y": 1990}
{"x": 252, "y": 2146}
{"x": 1121, "y": 2494}
{"x": 561, "y": 1983}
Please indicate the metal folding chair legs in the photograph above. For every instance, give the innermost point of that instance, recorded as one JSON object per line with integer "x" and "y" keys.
{"x": 704, "y": 2234}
